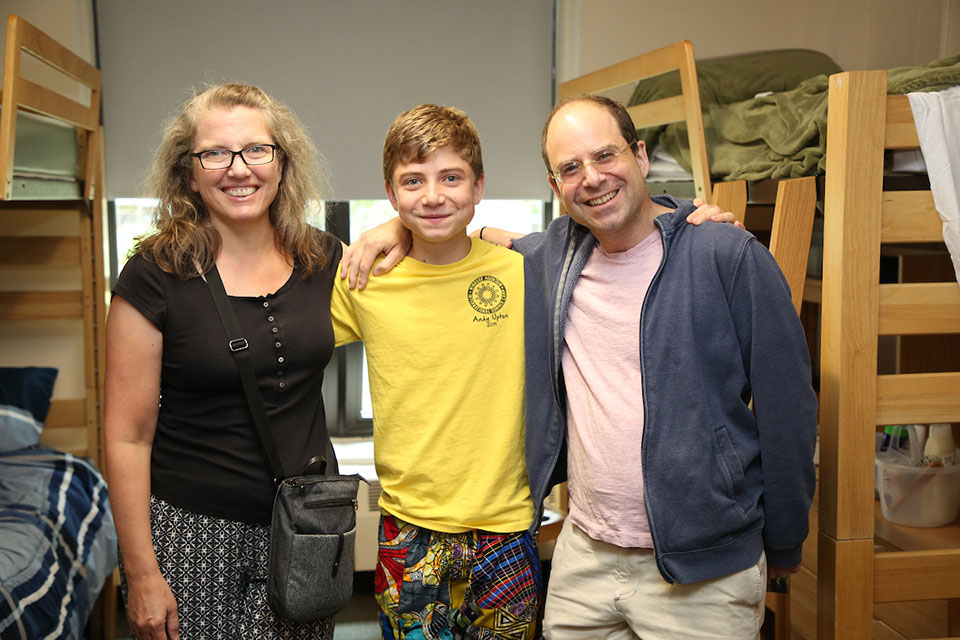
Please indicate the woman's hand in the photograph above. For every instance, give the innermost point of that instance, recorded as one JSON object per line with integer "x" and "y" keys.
{"x": 493, "y": 235}
{"x": 152, "y": 609}
{"x": 712, "y": 213}
{"x": 390, "y": 238}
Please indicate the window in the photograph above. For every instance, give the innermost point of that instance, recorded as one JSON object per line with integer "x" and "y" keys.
{"x": 130, "y": 218}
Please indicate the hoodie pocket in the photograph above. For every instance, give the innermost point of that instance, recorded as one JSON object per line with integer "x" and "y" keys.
{"x": 729, "y": 463}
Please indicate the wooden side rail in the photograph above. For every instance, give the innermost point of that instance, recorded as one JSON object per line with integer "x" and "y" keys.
{"x": 901, "y": 576}
{"x": 645, "y": 65}
{"x": 656, "y": 113}
{"x": 40, "y": 305}
{"x": 905, "y": 398}
{"x": 909, "y": 216}
{"x": 732, "y": 196}
{"x": 68, "y": 426}
{"x": 66, "y": 413}
{"x": 899, "y": 131}
{"x": 919, "y": 308}
{"x": 792, "y": 228}
{"x": 36, "y": 251}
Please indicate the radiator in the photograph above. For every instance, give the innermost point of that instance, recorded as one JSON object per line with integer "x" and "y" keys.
{"x": 356, "y": 456}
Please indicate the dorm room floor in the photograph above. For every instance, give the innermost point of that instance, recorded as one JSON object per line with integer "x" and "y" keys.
{"x": 357, "y": 622}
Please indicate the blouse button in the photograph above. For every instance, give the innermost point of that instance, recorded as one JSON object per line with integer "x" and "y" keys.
{"x": 281, "y": 384}
{"x": 277, "y": 344}
{"x": 280, "y": 359}
{"x": 269, "y": 318}
{"x": 265, "y": 304}
{"x": 275, "y": 330}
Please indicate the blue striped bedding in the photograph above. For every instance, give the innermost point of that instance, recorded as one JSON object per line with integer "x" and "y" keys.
{"x": 57, "y": 543}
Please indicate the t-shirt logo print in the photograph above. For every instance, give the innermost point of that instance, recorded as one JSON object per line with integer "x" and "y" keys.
{"x": 487, "y": 294}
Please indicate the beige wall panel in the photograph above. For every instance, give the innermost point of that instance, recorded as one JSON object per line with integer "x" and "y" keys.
{"x": 859, "y": 34}
{"x": 47, "y": 343}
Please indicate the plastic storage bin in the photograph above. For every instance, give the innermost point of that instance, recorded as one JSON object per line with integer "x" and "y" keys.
{"x": 918, "y": 496}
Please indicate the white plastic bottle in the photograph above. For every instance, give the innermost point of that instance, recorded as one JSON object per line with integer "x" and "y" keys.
{"x": 939, "y": 449}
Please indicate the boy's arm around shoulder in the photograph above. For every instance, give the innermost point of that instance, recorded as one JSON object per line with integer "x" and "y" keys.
{"x": 344, "y": 314}
{"x": 391, "y": 239}
{"x": 775, "y": 353}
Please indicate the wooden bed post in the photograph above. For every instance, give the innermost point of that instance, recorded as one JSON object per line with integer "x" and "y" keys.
{"x": 848, "y": 369}
{"x": 8, "y": 111}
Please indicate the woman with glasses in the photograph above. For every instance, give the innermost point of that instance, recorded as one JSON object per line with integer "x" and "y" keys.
{"x": 190, "y": 485}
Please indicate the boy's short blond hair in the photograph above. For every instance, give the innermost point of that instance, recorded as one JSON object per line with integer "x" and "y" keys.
{"x": 417, "y": 133}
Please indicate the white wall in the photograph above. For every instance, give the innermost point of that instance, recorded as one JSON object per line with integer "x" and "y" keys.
{"x": 857, "y": 34}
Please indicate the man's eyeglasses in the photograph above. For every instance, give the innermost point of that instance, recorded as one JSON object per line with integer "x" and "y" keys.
{"x": 572, "y": 172}
{"x": 253, "y": 155}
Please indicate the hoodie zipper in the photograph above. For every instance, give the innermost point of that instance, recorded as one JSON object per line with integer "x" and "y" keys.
{"x": 556, "y": 322}
{"x": 646, "y": 413}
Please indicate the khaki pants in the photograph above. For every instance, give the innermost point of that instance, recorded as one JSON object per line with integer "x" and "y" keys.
{"x": 598, "y": 590}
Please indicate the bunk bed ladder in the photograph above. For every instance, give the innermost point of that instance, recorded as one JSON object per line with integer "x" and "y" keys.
{"x": 859, "y": 216}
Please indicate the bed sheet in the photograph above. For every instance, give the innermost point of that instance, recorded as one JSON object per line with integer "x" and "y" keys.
{"x": 57, "y": 543}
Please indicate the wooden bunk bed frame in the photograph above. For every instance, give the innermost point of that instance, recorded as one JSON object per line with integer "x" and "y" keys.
{"x": 73, "y": 424}
{"x": 912, "y": 564}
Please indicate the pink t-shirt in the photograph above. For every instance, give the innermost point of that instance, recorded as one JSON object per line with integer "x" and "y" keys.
{"x": 601, "y": 368}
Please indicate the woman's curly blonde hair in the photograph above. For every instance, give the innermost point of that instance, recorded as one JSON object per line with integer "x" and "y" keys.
{"x": 185, "y": 237}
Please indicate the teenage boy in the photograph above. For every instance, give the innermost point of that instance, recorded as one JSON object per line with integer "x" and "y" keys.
{"x": 444, "y": 338}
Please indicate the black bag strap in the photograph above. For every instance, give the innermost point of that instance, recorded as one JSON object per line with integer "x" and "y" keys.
{"x": 238, "y": 347}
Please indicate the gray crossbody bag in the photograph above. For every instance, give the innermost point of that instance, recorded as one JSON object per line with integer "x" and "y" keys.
{"x": 314, "y": 522}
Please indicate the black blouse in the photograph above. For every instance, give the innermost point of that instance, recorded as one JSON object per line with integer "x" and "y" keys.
{"x": 206, "y": 455}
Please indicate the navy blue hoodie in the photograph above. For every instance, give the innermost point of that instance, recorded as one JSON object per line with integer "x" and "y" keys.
{"x": 718, "y": 327}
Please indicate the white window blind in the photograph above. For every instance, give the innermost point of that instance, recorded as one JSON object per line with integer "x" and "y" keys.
{"x": 347, "y": 68}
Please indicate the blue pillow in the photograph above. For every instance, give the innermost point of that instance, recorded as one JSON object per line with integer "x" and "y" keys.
{"x": 24, "y": 401}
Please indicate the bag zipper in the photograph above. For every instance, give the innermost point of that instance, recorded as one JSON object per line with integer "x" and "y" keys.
{"x": 336, "y": 502}
{"x": 336, "y": 560}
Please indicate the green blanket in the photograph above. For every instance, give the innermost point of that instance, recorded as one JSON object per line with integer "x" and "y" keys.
{"x": 783, "y": 135}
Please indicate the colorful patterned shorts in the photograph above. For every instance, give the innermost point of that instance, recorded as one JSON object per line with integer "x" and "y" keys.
{"x": 478, "y": 585}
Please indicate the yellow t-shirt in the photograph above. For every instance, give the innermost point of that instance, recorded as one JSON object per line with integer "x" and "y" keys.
{"x": 444, "y": 348}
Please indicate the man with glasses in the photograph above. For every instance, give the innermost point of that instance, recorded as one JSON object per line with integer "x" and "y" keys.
{"x": 646, "y": 338}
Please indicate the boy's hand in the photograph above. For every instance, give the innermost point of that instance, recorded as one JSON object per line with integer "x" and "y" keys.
{"x": 390, "y": 238}
{"x": 493, "y": 235}
{"x": 706, "y": 212}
